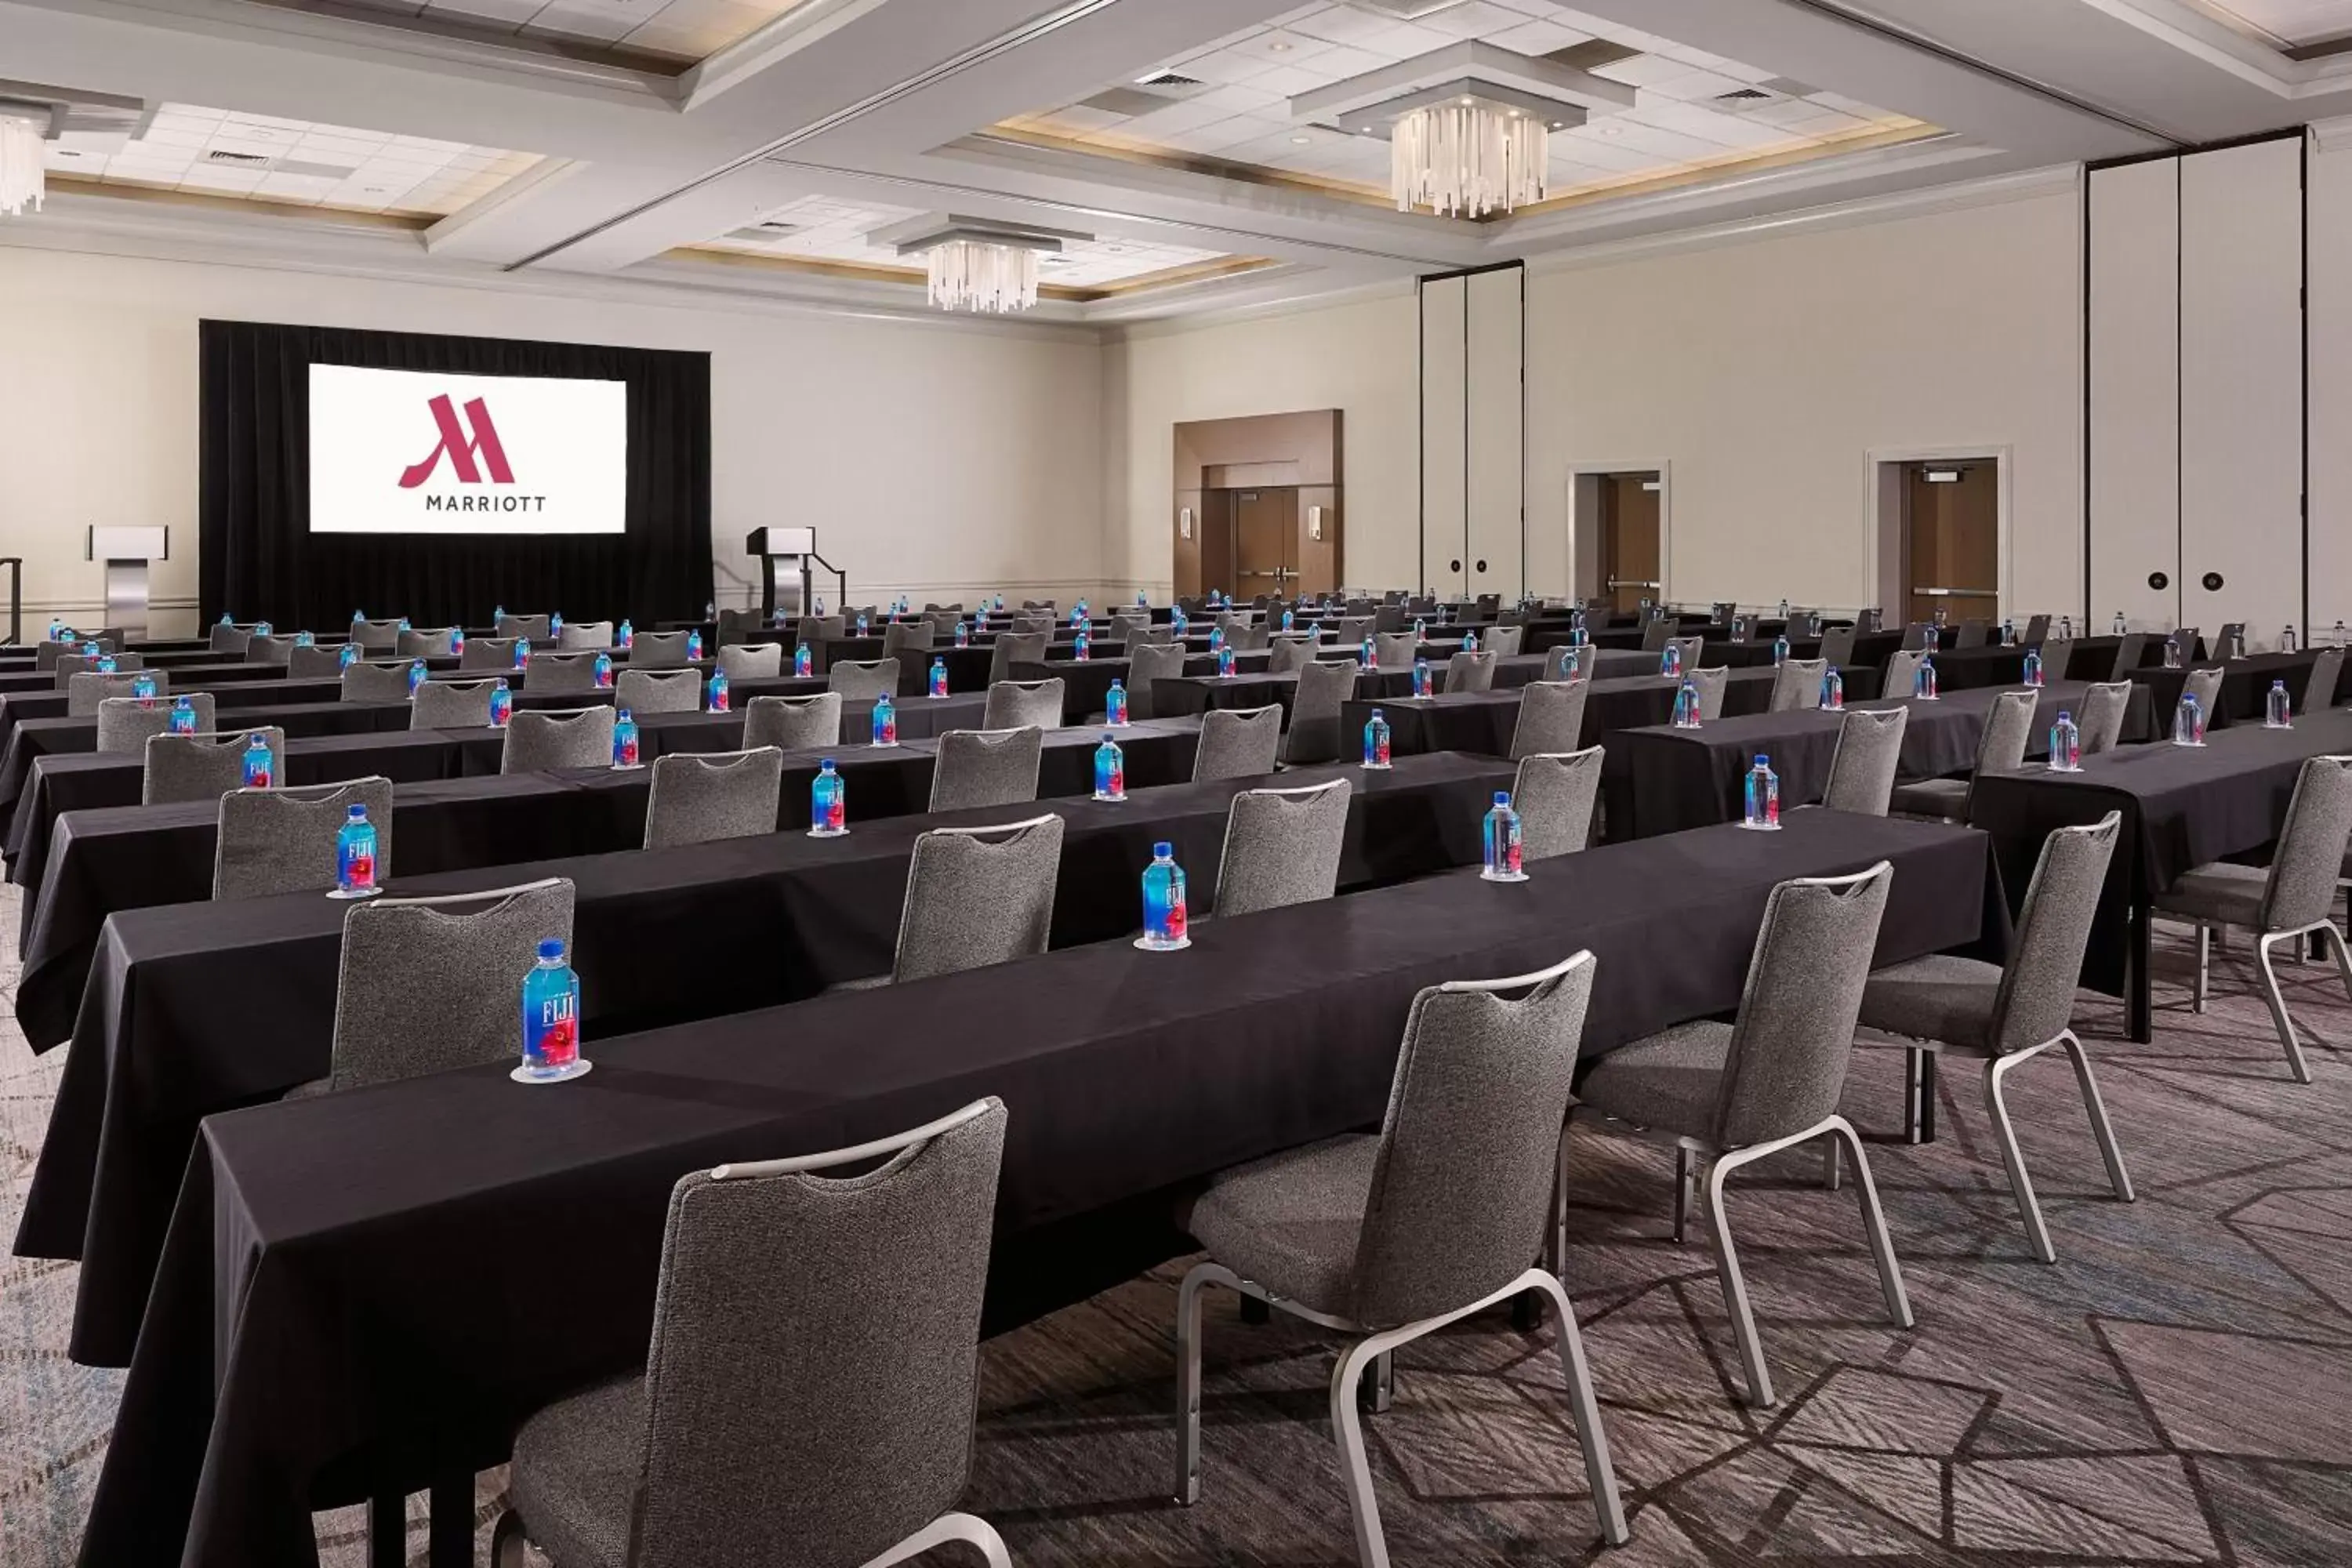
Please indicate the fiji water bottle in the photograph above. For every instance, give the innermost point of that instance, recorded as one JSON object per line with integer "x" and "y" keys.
{"x": 183, "y": 716}
{"x": 1578, "y": 637}
{"x": 355, "y": 857}
{"x": 403, "y": 626}
{"x": 1779, "y": 650}
{"x": 2008, "y": 632}
{"x": 1923, "y": 680}
{"x": 501, "y": 705}
{"x": 1083, "y": 645}
{"x": 260, "y": 767}
{"x": 142, "y": 686}
{"x": 828, "y": 802}
{"x": 2187, "y": 721}
{"x": 2338, "y": 637}
{"x": 106, "y": 662}
{"x": 1670, "y": 664}
{"x": 963, "y": 634}
{"x": 803, "y": 665}
{"x": 1832, "y": 691}
{"x": 625, "y": 740}
{"x": 693, "y": 644}
{"x": 604, "y": 667}
{"x": 1469, "y": 642}
{"x": 1420, "y": 631}
{"x": 1114, "y": 704}
{"x": 719, "y": 692}
{"x": 2119, "y": 623}
{"x": 551, "y": 1019}
{"x": 939, "y": 677}
{"x": 2278, "y": 708}
{"x": 223, "y": 620}
{"x": 1423, "y": 684}
{"x": 456, "y": 639}
{"x": 710, "y": 610}
{"x": 2033, "y": 667}
{"x": 886, "y": 720}
{"x": 2066, "y": 744}
{"x": 1217, "y": 639}
{"x": 1503, "y": 849}
{"x": 627, "y": 637}
{"x": 305, "y": 639}
{"x": 1111, "y": 770}
{"x": 865, "y": 623}
{"x": 1178, "y": 619}
{"x": 1366, "y": 656}
{"x": 1286, "y": 620}
{"x": 1142, "y": 602}
{"x": 522, "y": 652}
{"x": 555, "y": 624}
{"x": 349, "y": 656}
{"x": 1375, "y": 740}
{"x": 2172, "y": 653}
{"x": 998, "y": 605}
{"x": 358, "y": 616}
{"x": 1686, "y": 706}
{"x": 1226, "y": 662}
{"x": 416, "y": 675}
{"x": 1163, "y": 901}
{"x": 1935, "y": 633}
{"x": 2066, "y": 627}
{"x": 1763, "y": 804}
{"x": 497, "y": 615}
{"x": 1784, "y": 609}
{"x": 2286, "y": 638}
{"x": 820, "y": 604}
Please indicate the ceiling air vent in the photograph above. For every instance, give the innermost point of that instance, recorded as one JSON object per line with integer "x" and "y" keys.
{"x": 1169, "y": 79}
{"x": 1741, "y": 99}
{"x": 764, "y": 233}
{"x": 245, "y": 159}
{"x": 1407, "y": 10}
{"x": 1592, "y": 54}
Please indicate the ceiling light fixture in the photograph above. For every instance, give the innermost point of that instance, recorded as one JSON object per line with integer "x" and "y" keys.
{"x": 1466, "y": 159}
{"x": 1278, "y": 47}
{"x": 1301, "y": 140}
{"x": 23, "y": 181}
{"x": 995, "y": 280}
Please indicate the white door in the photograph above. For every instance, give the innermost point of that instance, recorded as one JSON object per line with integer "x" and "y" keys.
{"x": 2135, "y": 534}
{"x": 1495, "y": 470}
{"x": 1444, "y": 442}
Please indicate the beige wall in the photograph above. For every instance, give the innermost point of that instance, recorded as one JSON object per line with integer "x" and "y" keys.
{"x": 931, "y": 459}
{"x": 2330, "y": 282}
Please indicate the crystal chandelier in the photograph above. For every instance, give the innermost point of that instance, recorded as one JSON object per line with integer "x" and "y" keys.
{"x": 1466, "y": 159}
{"x": 970, "y": 275}
{"x": 22, "y": 179}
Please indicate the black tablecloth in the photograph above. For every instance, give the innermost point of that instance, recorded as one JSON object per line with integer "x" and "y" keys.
{"x": 1485, "y": 721}
{"x": 62, "y": 736}
{"x": 172, "y": 1032}
{"x": 2245, "y": 687}
{"x": 309, "y": 1340}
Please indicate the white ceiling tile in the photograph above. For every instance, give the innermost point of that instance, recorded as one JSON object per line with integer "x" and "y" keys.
{"x": 1341, "y": 24}
{"x": 1223, "y": 66}
{"x": 1536, "y": 37}
{"x": 1291, "y": 81}
{"x": 1472, "y": 20}
{"x": 504, "y": 14}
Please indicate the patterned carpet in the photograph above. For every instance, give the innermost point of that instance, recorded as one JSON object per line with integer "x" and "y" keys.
{"x": 2177, "y": 1390}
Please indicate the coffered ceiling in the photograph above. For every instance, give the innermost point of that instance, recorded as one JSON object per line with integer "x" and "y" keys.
{"x": 750, "y": 149}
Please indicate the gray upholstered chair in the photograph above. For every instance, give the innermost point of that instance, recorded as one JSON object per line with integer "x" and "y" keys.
{"x": 592, "y": 635}
{"x": 125, "y": 722}
{"x": 1470, "y": 672}
{"x": 1914, "y": 635}
{"x": 311, "y": 661}
{"x": 69, "y": 664}
{"x": 1253, "y": 639}
{"x": 910, "y": 642}
{"x": 1862, "y": 768}
{"x": 204, "y": 766}
{"x": 1353, "y": 629}
{"x": 1710, "y": 685}
{"x": 738, "y": 627}
{"x": 1127, "y": 625}
{"x": 1396, "y": 650}
{"x": 561, "y": 674}
{"x": 1734, "y": 1093}
{"x": 1567, "y": 663}
{"x": 977, "y": 895}
{"x": 283, "y": 840}
{"x": 573, "y": 738}
{"x": 852, "y": 1307}
{"x": 1238, "y": 743}
{"x": 824, "y": 628}
{"x": 1282, "y": 847}
{"x": 697, "y": 798}
{"x": 531, "y": 626}
{"x": 222, "y": 638}
{"x": 1145, "y": 665}
{"x": 476, "y": 947}
{"x": 1551, "y": 717}
{"x": 1690, "y": 649}
{"x": 794, "y": 723}
{"x": 1975, "y": 632}
{"x": 752, "y": 660}
{"x": 987, "y": 767}
{"x": 276, "y": 648}
{"x": 1014, "y": 703}
{"x": 2057, "y": 655}
{"x": 2130, "y": 652}
{"x": 366, "y": 682}
{"x": 1323, "y": 686}
{"x": 2005, "y": 1018}
{"x": 452, "y": 704}
{"x": 1837, "y": 646}
{"x": 2000, "y": 748}
{"x": 1390, "y": 1236}
{"x": 441, "y": 642}
{"x": 1902, "y": 677}
{"x": 659, "y": 690}
{"x": 1154, "y": 636}
{"x": 1797, "y": 684}
{"x": 2291, "y": 899}
{"x": 1015, "y": 647}
{"x": 863, "y": 680}
{"x": 654, "y": 651}
{"x": 2104, "y": 707}
{"x": 48, "y": 651}
{"x": 2327, "y": 674}
{"x": 1505, "y": 642}
{"x": 487, "y": 653}
{"x": 1554, "y": 794}
{"x": 2205, "y": 685}
{"x": 2037, "y": 628}
{"x": 85, "y": 689}
{"x": 1389, "y": 617}
{"x": 1292, "y": 652}
{"x": 377, "y": 636}
{"x": 1657, "y": 633}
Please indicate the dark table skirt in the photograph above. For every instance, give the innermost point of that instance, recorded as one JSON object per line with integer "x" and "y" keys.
{"x": 1485, "y": 721}
{"x": 2245, "y": 687}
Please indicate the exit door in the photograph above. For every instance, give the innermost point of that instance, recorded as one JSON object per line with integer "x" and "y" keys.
{"x": 1952, "y": 544}
{"x": 1265, "y": 540}
{"x": 1630, "y": 557}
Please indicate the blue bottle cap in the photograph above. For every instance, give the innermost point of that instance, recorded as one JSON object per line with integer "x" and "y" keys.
{"x": 1502, "y": 797}
{"x": 1163, "y": 850}
{"x": 1108, "y": 741}
{"x": 624, "y": 717}
{"x": 827, "y": 764}
{"x": 256, "y": 739}
{"x": 551, "y": 947}
{"x": 1763, "y": 761}
{"x": 357, "y": 813}
{"x": 1376, "y": 712}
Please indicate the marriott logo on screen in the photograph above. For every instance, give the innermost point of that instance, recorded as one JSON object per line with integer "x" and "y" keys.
{"x": 462, "y": 449}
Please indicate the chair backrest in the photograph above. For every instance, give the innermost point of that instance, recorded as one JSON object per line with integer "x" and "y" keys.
{"x": 1553, "y": 793}
{"x": 283, "y": 840}
{"x": 1282, "y": 847}
{"x": 829, "y": 1297}
{"x": 1238, "y": 743}
{"x": 987, "y": 767}
{"x": 574, "y": 738}
{"x": 1145, "y": 664}
{"x": 2204, "y": 685}
{"x": 1565, "y": 663}
{"x": 1973, "y": 634}
{"x": 977, "y": 895}
{"x": 794, "y": 723}
{"x": 2327, "y": 674}
{"x": 1163, "y": 636}
{"x": 1902, "y": 674}
{"x": 2310, "y": 855}
{"x": 66, "y": 666}
{"x": 1015, "y": 647}
{"x": 1837, "y": 646}
{"x": 1033, "y": 626}
{"x": 562, "y": 674}
{"x": 1710, "y": 685}
{"x": 594, "y": 634}
{"x": 1291, "y": 651}
{"x": 430, "y": 984}
{"x": 276, "y": 648}
{"x": 310, "y": 661}
{"x": 2036, "y": 998}
{"x": 1656, "y": 634}
{"x": 1254, "y": 638}
{"x": 125, "y": 722}
{"x": 1914, "y": 635}
{"x": 738, "y": 625}
{"x": 1551, "y": 717}
{"x": 86, "y": 689}
{"x": 2057, "y": 654}
{"x": 2104, "y": 706}
{"x": 1014, "y": 703}
{"x": 2008, "y": 728}
{"x": 1323, "y": 686}
{"x": 1691, "y": 649}
{"x": 222, "y": 639}
{"x": 1394, "y": 650}
{"x": 366, "y": 682}
{"x": 1470, "y": 672}
{"x": 863, "y": 680}
{"x": 437, "y": 644}
{"x": 2184, "y": 643}
{"x": 824, "y": 628}
{"x": 452, "y": 704}
{"x": 1795, "y": 1032}
{"x": 1354, "y": 629}
{"x": 2129, "y": 653}
{"x": 1503, "y": 642}
{"x": 203, "y": 766}
{"x": 377, "y": 636}
{"x": 1389, "y": 617}
{"x": 487, "y": 653}
{"x": 654, "y": 650}
{"x": 1797, "y": 684}
{"x": 1463, "y": 1173}
{"x": 659, "y": 690}
{"x": 1862, "y": 768}
{"x": 904, "y": 639}
{"x": 531, "y": 626}
{"x": 2037, "y": 628}
{"x": 752, "y": 660}
{"x": 700, "y": 796}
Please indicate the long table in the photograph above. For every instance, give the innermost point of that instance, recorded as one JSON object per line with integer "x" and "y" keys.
{"x": 2245, "y": 686}
{"x": 310, "y": 1342}
{"x": 1485, "y": 721}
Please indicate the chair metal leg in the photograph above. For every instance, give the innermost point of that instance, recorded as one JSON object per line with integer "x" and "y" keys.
{"x": 1735, "y": 1287}
{"x": 1187, "y": 1378}
{"x": 2276, "y": 999}
{"x": 2118, "y": 1178}
{"x": 1378, "y": 1389}
{"x": 2342, "y": 954}
{"x": 1355, "y": 1469}
{"x": 1913, "y": 1094}
{"x": 2204, "y": 968}
{"x": 1584, "y": 1406}
{"x": 1556, "y": 1233}
{"x": 506, "y": 1541}
{"x": 2012, "y": 1158}
{"x": 963, "y": 1526}
{"x": 1682, "y": 1192}
{"x": 1832, "y": 1177}
{"x": 1874, "y": 1220}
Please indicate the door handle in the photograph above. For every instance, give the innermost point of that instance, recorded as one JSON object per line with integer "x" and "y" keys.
{"x": 1630, "y": 582}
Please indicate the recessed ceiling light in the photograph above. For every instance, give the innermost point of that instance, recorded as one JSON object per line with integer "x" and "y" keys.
{"x": 1610, "y": 131}
{"x": 1279, "y": 47}
{"x": 1301, "y": 141}
{"x": 1466, "y": 99}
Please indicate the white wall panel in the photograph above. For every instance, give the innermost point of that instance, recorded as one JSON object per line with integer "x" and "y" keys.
{"x": 1445, "y": 446}
{"x": 1495, "y": 472}
{"x": 2134, "y": 391}
{"x": 2331, "y": 383}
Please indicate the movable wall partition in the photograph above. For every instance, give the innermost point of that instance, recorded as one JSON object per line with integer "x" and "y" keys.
{"x": 1472, "y": 416}
{"x": 2196, "y": 400}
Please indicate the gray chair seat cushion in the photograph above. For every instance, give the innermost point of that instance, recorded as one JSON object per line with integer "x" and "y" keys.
{"x": 1291, "y": 1222}
{"x": 1935, "y": 999}
{"x": 577, "y": 1465}
{"x": 1669, "y": 1082}
{"x": 2221, "y": 891}
{"x": 1941, "y": 798}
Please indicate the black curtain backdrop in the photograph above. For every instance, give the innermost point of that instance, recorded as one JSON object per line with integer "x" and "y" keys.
{"x": 257, "y": 559}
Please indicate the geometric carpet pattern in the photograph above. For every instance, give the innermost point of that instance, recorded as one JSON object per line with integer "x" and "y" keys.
{"x": 2177, "y": 1389}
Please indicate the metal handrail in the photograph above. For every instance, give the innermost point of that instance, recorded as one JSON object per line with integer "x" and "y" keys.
{"x": 15, "y": 564}
{"x": 840, "y": 579}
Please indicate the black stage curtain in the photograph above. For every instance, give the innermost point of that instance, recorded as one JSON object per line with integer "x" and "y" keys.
{"x": 258, "y": 558}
